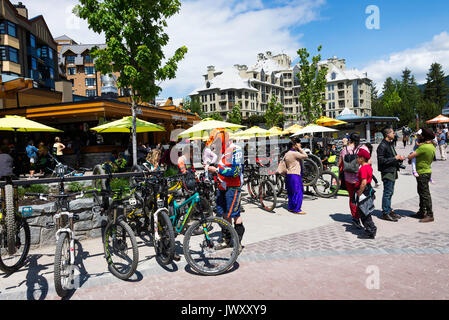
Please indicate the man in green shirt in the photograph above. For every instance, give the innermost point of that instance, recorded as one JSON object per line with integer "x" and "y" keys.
{"x": 424, "y": 157}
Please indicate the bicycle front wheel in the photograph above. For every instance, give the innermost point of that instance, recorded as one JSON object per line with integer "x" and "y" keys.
{"x": 267, "y": 195}
{"x": 12, "y": 263}
{"x": 327, "y": 185}
{"x": 63, "y": 269}
{"x": 214, "y": 252}
{"x": 165, "y": 245}
{"x": 120, "y": 248}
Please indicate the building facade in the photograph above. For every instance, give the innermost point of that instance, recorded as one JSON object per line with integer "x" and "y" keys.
{"x": 253, "y": 87}
{"x": 27, "y": 47}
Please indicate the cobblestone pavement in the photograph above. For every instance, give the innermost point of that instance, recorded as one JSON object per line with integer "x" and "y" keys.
{"x": 318, "y": 256}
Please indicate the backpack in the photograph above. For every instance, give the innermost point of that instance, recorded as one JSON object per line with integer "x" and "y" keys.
{"x": 350, "y": 161}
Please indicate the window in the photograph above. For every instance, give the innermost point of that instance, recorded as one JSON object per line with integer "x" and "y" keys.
{"x": 70, "y": 59}
{"x": 91, "y": 82}
{"x": 50, "y": 53}
{"x": 52, "y": 73}
{"x": 13, "y": 55}
{"x": 71, "y": 71}
{"x": 12, "y": 29}
{"x": 91, "y": 93}
{"x": 88, "y": 59}
{"x": 89, "y": 70}
{"x": 32, "y": 41}
{"x": 3, "y": 53}
{"x": 33, "y": 63}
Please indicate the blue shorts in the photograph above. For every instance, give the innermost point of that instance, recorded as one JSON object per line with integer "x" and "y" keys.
{"x": 228, "y": 203}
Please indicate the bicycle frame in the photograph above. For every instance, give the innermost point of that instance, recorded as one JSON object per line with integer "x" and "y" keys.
{"x": 193, "y": 201}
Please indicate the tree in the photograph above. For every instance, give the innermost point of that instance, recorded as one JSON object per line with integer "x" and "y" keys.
{"x": 411, "y": 96}
{"x": 134, "y": 33}
{"x": 275, "y": 112}
{"x": 216, "y": 116}
{"x": 236, "y": 115}
{"x": 436, "y": 89}
{"x": 195, "y": 106}
{"x": 312, "y": 82}
{"x": 254, "y": 120}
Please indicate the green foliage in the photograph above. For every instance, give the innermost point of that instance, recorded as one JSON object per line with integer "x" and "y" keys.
{"x": 134, "y": 32}
{"x": 117, "y": 183}
{"x": 274, "y": 116}
{"x": 312, "y": 82}
{"x": 236, "y": 115}
{"x": 436, "y": 88}
{"x": 34, "y": 188}
{"x": 75, "y": 186}
{"x": 254, "y": 120}
{"x": 216, "y": 116}
{"x": 195, "y": 106}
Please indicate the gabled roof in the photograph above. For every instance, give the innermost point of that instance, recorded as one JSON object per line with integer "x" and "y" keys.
{"x": 64, "y": 38}
{"x": 229, "y": 79}
{"x": 80, "y": 48}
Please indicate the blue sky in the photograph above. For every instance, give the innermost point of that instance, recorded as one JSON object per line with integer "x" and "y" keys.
{"x": 222, "y": 33}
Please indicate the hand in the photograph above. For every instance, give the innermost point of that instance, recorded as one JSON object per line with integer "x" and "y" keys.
{"x": 399, "y": 157}
{"x": 212, "y": 169}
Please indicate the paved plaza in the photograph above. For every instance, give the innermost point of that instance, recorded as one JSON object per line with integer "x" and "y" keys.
{"x": 286, "y": 256}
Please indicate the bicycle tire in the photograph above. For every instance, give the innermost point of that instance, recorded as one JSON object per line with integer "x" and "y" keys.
{"x": 4, "y": 261}
{"x": 252, "y": 188}
{"x": 126, "y": 231}
{"x": 165, "y": 247}
{"x": 206, "y": 209}
{"x": 10, "y": 219}
{"x": 280, "y": 184}
{"x": 310, "y": 172}
{"x": 232, "y": 253}
{"x": 332, "y": 185}
{"x": 267, "y": 195}
{"x": 62, "y": 266}
{"x": 317, "y": 161}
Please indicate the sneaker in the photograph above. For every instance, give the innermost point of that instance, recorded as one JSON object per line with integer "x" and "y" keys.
{"x": 395, "y": 215}
{"x": 415, "y": 174}
{"x": 357, "y": 223}
{"x": 300, "y": 213}
{"x": 418, "y": 215}
{"x": 367, "y": 236}
{"x": 388, "y": 217}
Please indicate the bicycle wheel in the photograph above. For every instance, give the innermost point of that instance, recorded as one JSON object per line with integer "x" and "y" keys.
{"x": 10, "y": 220}
{"x": 280, "y": 184}
{"x": 267, "y": 195}
{"x": 317, "y": 161}
{"x": 203, "y": 254}
{"x": 12, "y": 263}
{"x": 202, "y": 208}
{"x": 165, "y": 245}
{"x": 120, "y": 248}
{"x": 327, "y": 185}
{"x": 64, "y": 271}
{"x": 252, "y": 188}
{"x": 310, "y": 172}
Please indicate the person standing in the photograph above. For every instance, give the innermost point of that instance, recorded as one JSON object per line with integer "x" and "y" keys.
{"x": 32, "y": 151}
{"x": 388, "y": 162}
{"x": 6, "y": 162}
{"x": 424, "y": 157}
{"x": 293, "y": 181}
{"x": 58, "y": 148}
{"x": 350, "y": 151}
{"x": 442, "y": 144}
{"x": 229, "y": 171}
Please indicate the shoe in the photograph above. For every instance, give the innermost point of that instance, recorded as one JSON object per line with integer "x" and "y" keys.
{"x": 388, "y": 217}
{"x": 395, "y": 215}
{"x": 367, "y": 236}
{"x": 427, "y": 219}
{"x": 300, "y": 213}
{"x": 418, "y": 215}
{"x": 357, "y": 223}
{"x": 415, "y": 174}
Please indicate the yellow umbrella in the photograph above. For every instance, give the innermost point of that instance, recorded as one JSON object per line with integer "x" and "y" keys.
{"x": 125, "y": 125}
{"x": 250, "y": 133}
{"x": 327, "y": 122}
{"x": 293, "y": 129}
{"x": 21, "y": 124}
{"x": 276, "y": 131}
{"x": 203, "y": 127}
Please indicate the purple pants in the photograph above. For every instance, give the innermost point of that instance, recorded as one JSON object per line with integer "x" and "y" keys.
{"x": 295, "y": 192}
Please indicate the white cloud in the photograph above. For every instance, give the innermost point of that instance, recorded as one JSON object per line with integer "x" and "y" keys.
{"x": 418, "y": 60}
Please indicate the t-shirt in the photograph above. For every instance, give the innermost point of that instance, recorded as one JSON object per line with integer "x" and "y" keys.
{"x": 442, "y": 136}
{"x": 426, "y": 154}
{"x": 6, "y": 163}
{"x": 365, "y": 172}
{"x": 31, "y": 151}
{"x": 59, "y": 146}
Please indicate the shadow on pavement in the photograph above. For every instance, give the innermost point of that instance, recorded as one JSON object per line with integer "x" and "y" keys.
{"x": 235, "y": 267}
{"x": 347, "y": 219}
{"x": 37, "y": 285}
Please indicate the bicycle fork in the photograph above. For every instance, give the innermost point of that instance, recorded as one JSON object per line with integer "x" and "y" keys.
{"x": 69, "y": 231}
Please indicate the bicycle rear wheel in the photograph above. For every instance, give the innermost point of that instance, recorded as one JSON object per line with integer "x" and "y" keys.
{"x": 310, "y": 172}
{"x": 267, "y": 195}
{"x": 327, "y": 185}
{"x": 63, "y": 270}
{"x": 165, "y": 246}
{"x": 120, "y": 248}
{"x": 204, "y": 254}
{"x": 12, "y": 263}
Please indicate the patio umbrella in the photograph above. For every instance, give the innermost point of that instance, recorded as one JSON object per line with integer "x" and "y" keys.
{"x": 293, "y": 129}
{"x": 276, "y": 131}
{"x": 313, "y": 128}
{"x": 439, "y": 119}
{"x": 327, "y": 122}
{"x": 22, "y": 124}
{"x": 125, "y": 125}
{"x": 250, "y": 133}
{"x": 205, "y": 126}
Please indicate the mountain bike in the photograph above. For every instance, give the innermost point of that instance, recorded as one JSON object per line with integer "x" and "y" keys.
{"x": 15, "y": 235}
{"x": 64, "y": 264}
{"x": 260, "y": 186}
{"x": 202, "y": 251}
{"x": 62, "y": 170}
{"x": 119, "y": 241}
{"x": 327, "y": 184}
{"x": 149, "y": 206}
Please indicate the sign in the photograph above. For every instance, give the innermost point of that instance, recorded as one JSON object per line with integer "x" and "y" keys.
{"x": 179, "y": 118}
{"x": 27, "y": 211}
{"x": 139, "y": 111}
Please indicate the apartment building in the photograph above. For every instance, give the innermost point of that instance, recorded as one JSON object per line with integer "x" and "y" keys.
{"x": 252, "y": 87}
{"x": 27, "y": 47}
{"x": 78, "y": 67}
{"x": 346, "y": 89}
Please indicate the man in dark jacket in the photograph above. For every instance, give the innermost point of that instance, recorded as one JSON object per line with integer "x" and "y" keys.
{"x": 388, "y": 164}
